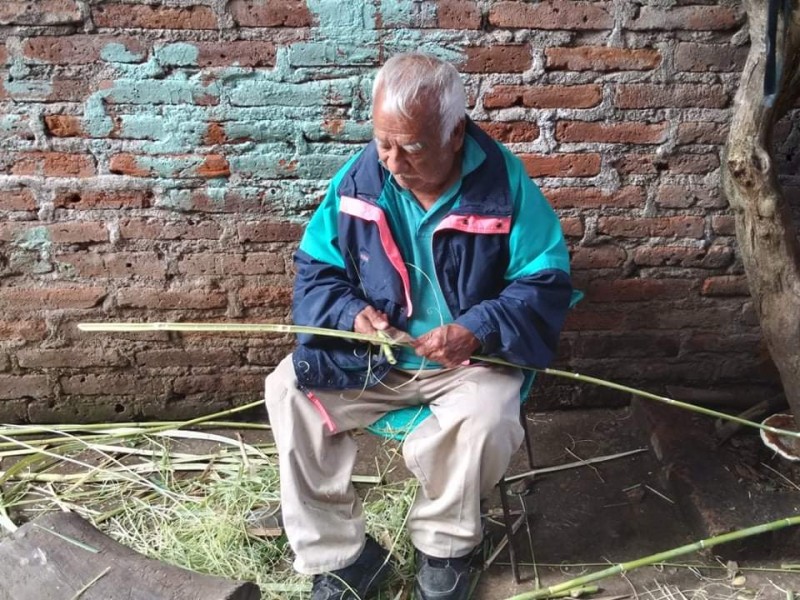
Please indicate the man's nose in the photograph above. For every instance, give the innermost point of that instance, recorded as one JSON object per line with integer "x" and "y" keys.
{"x": 396, "y": 162}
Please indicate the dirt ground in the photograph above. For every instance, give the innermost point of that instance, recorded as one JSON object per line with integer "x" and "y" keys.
{"x": 587, "y": 518}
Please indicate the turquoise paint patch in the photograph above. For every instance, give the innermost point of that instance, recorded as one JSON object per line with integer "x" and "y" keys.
{"x": 36, "y": 238}
{"x": 321, "y": 54}
{"x": 177, "y": 200}
{"x": 180, "y": 54}
{"x": 343, "y": 17}
{"x": 176, "y": 130}
{"x": 96, "y": 121}
{"x": 166, "y": 91}
{"x": 28, "y": 90}
{"x": 311, "y": 93}
{"x": 118, "y": 53}
{"x": 13, "y": 123}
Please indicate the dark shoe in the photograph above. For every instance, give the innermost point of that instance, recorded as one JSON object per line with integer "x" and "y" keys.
{"x": 443, "y": 578}
{"x": 356, "y": 581}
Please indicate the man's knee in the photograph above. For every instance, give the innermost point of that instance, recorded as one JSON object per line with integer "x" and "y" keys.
{"x": 279, "y": 382}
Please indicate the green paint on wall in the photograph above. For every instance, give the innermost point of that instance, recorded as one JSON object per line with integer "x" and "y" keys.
{"x": 35, "y": 238}
{"x": 177, "y": 55}
{"x": 96, "y": 121}
{"x": 118, "y": 53}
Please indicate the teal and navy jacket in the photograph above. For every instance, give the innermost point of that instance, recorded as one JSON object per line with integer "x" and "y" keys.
{"x": 348, "y": 259}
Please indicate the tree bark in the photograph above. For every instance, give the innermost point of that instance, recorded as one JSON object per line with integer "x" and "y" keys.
{"x": 764, "y": 229}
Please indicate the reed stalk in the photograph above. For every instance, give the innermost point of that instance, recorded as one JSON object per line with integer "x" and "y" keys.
{"x": 387, "y": 341}
{"x": 654, "y": 559}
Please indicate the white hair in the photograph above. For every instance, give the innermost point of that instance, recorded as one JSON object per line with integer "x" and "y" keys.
{"x": 406, "y": 79}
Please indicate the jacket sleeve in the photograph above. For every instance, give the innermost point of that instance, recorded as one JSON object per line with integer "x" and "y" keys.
{"x": 324, "y": 296}
{"x": 523, "y": 324}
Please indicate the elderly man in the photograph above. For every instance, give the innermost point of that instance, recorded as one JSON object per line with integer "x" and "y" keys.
{"x": 433, "y": 229}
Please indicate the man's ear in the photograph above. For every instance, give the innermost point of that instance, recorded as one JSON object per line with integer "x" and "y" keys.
{"x": 457, "y": 138}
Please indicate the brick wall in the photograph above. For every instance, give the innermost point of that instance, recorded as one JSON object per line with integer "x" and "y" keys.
{"x": 158, "y": 161}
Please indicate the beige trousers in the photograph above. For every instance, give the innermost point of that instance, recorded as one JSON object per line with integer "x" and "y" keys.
{"x": 458, "y": 455}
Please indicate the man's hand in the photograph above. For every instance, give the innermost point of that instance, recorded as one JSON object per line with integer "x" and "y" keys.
{"x": 449, "y": 345}
{"x": 370, "y": 321}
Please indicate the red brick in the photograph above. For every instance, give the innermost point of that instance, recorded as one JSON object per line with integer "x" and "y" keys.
{"x": 158, "y": 299}
{"x": 572, "y": 227}
{"x": 78, "y": 199}
{"x": 498, "y": 59}
{"x": 215, "y": 134}
{"x": 751, "y": 345}
{"x": 458, "y": 14}
{"x": 144, "y": 229}
{"x": 638, "y": 290}
{"x": 679, "y": 95}
{"x": 510, "y": 132}
{"x": 231, "y": 202}
{"x": 550, "y": 15}
{"x": 54, "y": 164}
{"x": 641, "y": 345}
{"x": 544, "y": 96}
{"x": 214, "y": 165}
{"x": 28, "y": 299}
{"x": 118, "y": 264}
{"x": 3, "y": 54}
{"x": 20, "y": 199}
{"x": 256, "y": 13}
{"x": 270, "y": 232}
{"x": 27, "y": 331}
{"x": 69, "y": 90}
{"x": 703, "y": 58}
{"x": 63, "y": 125}
{"x": 39, "y": 12}
{"x": 125, "y": 164}
{"x": 74, "y": 357}
{"x": 184, "y": 357}
{"x": 650, "y": 164}
{"x": 601, "y": 58}
{"x": 591, "y": 197}
{"x": 78, "y": 232}
{"x": 153, "y": 16}
{"x": 561, "y": 165}
{"x": 235, "y": 382}
{"x": 699, "y": 18}
{"x": 723, "y": 225}
{"x": 691, "y": 227}
{"x": 680, "y": 196}
{"x": 616, "y": 133}
{"x": 726, "y": 285}
{"x": 128, "y": 384}
{"x": 598, "y": 257}
{"x": 687, "y": 164}
{"x": 266, "y": 296}
{"x": 242, "y": 53}
{"x": 77, "y": 49}
{"x": 715, "y": 257}
{"x": 256, "y": 263}
{"x": 270, "y": 356}
{"x": 586, "y": 320}
{"x": 184, "y": 166}
{"x": 696, "y": 132}
{"x": 15, "y": 386}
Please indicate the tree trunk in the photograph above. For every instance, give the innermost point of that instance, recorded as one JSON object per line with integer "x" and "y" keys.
{"x": 764, "y": 229}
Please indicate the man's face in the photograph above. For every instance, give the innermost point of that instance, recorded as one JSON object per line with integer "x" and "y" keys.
{"x": 413, "y": 151}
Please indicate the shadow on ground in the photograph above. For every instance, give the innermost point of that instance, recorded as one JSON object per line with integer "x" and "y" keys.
{"x": 587, "y": 518}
